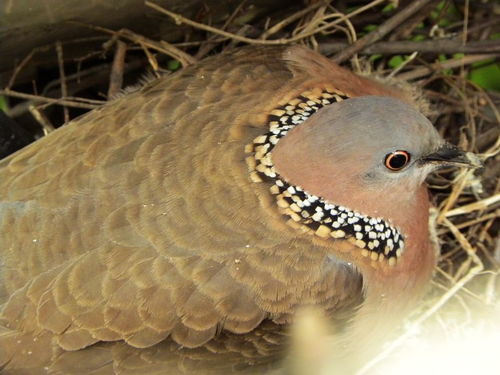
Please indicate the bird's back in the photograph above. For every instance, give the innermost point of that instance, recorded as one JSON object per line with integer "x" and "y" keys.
{"x": 140, "y": 221}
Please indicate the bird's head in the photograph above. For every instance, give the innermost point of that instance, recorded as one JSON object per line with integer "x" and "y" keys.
{"x": 355, "y": 168}
{"x": 367, "y": 146}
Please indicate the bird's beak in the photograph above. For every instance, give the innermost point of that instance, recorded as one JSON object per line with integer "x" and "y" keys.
{"x": 450, "y": 155}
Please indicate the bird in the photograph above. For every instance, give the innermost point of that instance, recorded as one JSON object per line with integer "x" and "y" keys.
{"x": 188, "y": 222}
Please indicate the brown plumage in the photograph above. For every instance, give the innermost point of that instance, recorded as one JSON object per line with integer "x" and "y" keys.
{"x": 144, "y": 225}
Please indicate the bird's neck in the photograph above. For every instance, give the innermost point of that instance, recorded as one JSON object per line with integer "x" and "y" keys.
{"x": 391, "y": 292}
{"x": 409, "y": 212}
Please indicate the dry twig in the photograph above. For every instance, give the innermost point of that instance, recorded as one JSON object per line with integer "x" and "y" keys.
{"x": 76, "y": 103}
{"x": 180, "y": 19}
{"x": 117, "y": 69}
{"x": 292, "y": 18}
{"x": 447, "y": 46}
{"x": 381, "y": 31}
{"x": 437, "y": 66}
{"x": 161, "y": 46}
{"x": 62, "y": 75}
{"x": 40, "y": 117}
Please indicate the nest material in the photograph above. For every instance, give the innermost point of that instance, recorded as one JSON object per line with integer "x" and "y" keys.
{"x": 466, "y": 284}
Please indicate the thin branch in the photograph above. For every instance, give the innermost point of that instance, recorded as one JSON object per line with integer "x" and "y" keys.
{"x": 47, "y": 47}
{"x": 447, "y": 46}
{"x": 160, "y": 46}
{"x": 450, "y": 64}
{"x": 180, "y": 19}
{"x": 287, "y": 21}
{"x": 117, "y": 69}
{"x": 459, "y": 184}
{"x": 62, "y": 76}
{"x": 402, "y": 66}
{"x": 62, "y": 101}
{"x": 20, "y": 66}
{"x": 42, "y": 119}
{"x": 151, "y": 60}
{"x": 210, "y": 43}
{"x": 480, "y": 205}
{"x": 405, "y": 31}
{"x": 381, "y": 31}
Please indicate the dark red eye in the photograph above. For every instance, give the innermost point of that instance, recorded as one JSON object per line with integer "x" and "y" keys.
{"x": 397, "y": 160}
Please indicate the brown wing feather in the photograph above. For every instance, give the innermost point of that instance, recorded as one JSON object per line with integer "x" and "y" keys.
{"x": 139, "y": 220}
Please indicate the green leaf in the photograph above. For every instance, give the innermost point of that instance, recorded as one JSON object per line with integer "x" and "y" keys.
{"x": 418, "y": 38}
{"x": 173, "y": 65}
{"x": 370, "y": 28}
{"x": 375, "y": 57}
{"x": 443, "y": 58}
{"x": 396, "y": 61}
{"x": 437, "y": 10}
{"x": 3, "y": 103}
{"x": 450, "y": 15}
{"x": 486, "y": 76}
{"x": 352, "y": 9}
{"x": 441, "y": 5}
{"x": 388, "y": 8}
{"x": 483, "y": 63}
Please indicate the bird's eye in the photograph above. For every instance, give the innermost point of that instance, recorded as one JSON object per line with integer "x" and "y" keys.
{"x": 397, "y": 160}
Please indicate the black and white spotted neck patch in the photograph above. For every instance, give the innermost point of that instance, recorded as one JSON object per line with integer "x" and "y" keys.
{"x": 375, "y": 237}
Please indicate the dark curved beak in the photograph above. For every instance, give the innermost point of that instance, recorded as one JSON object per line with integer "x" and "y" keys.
{"x": 450, "y": 155}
